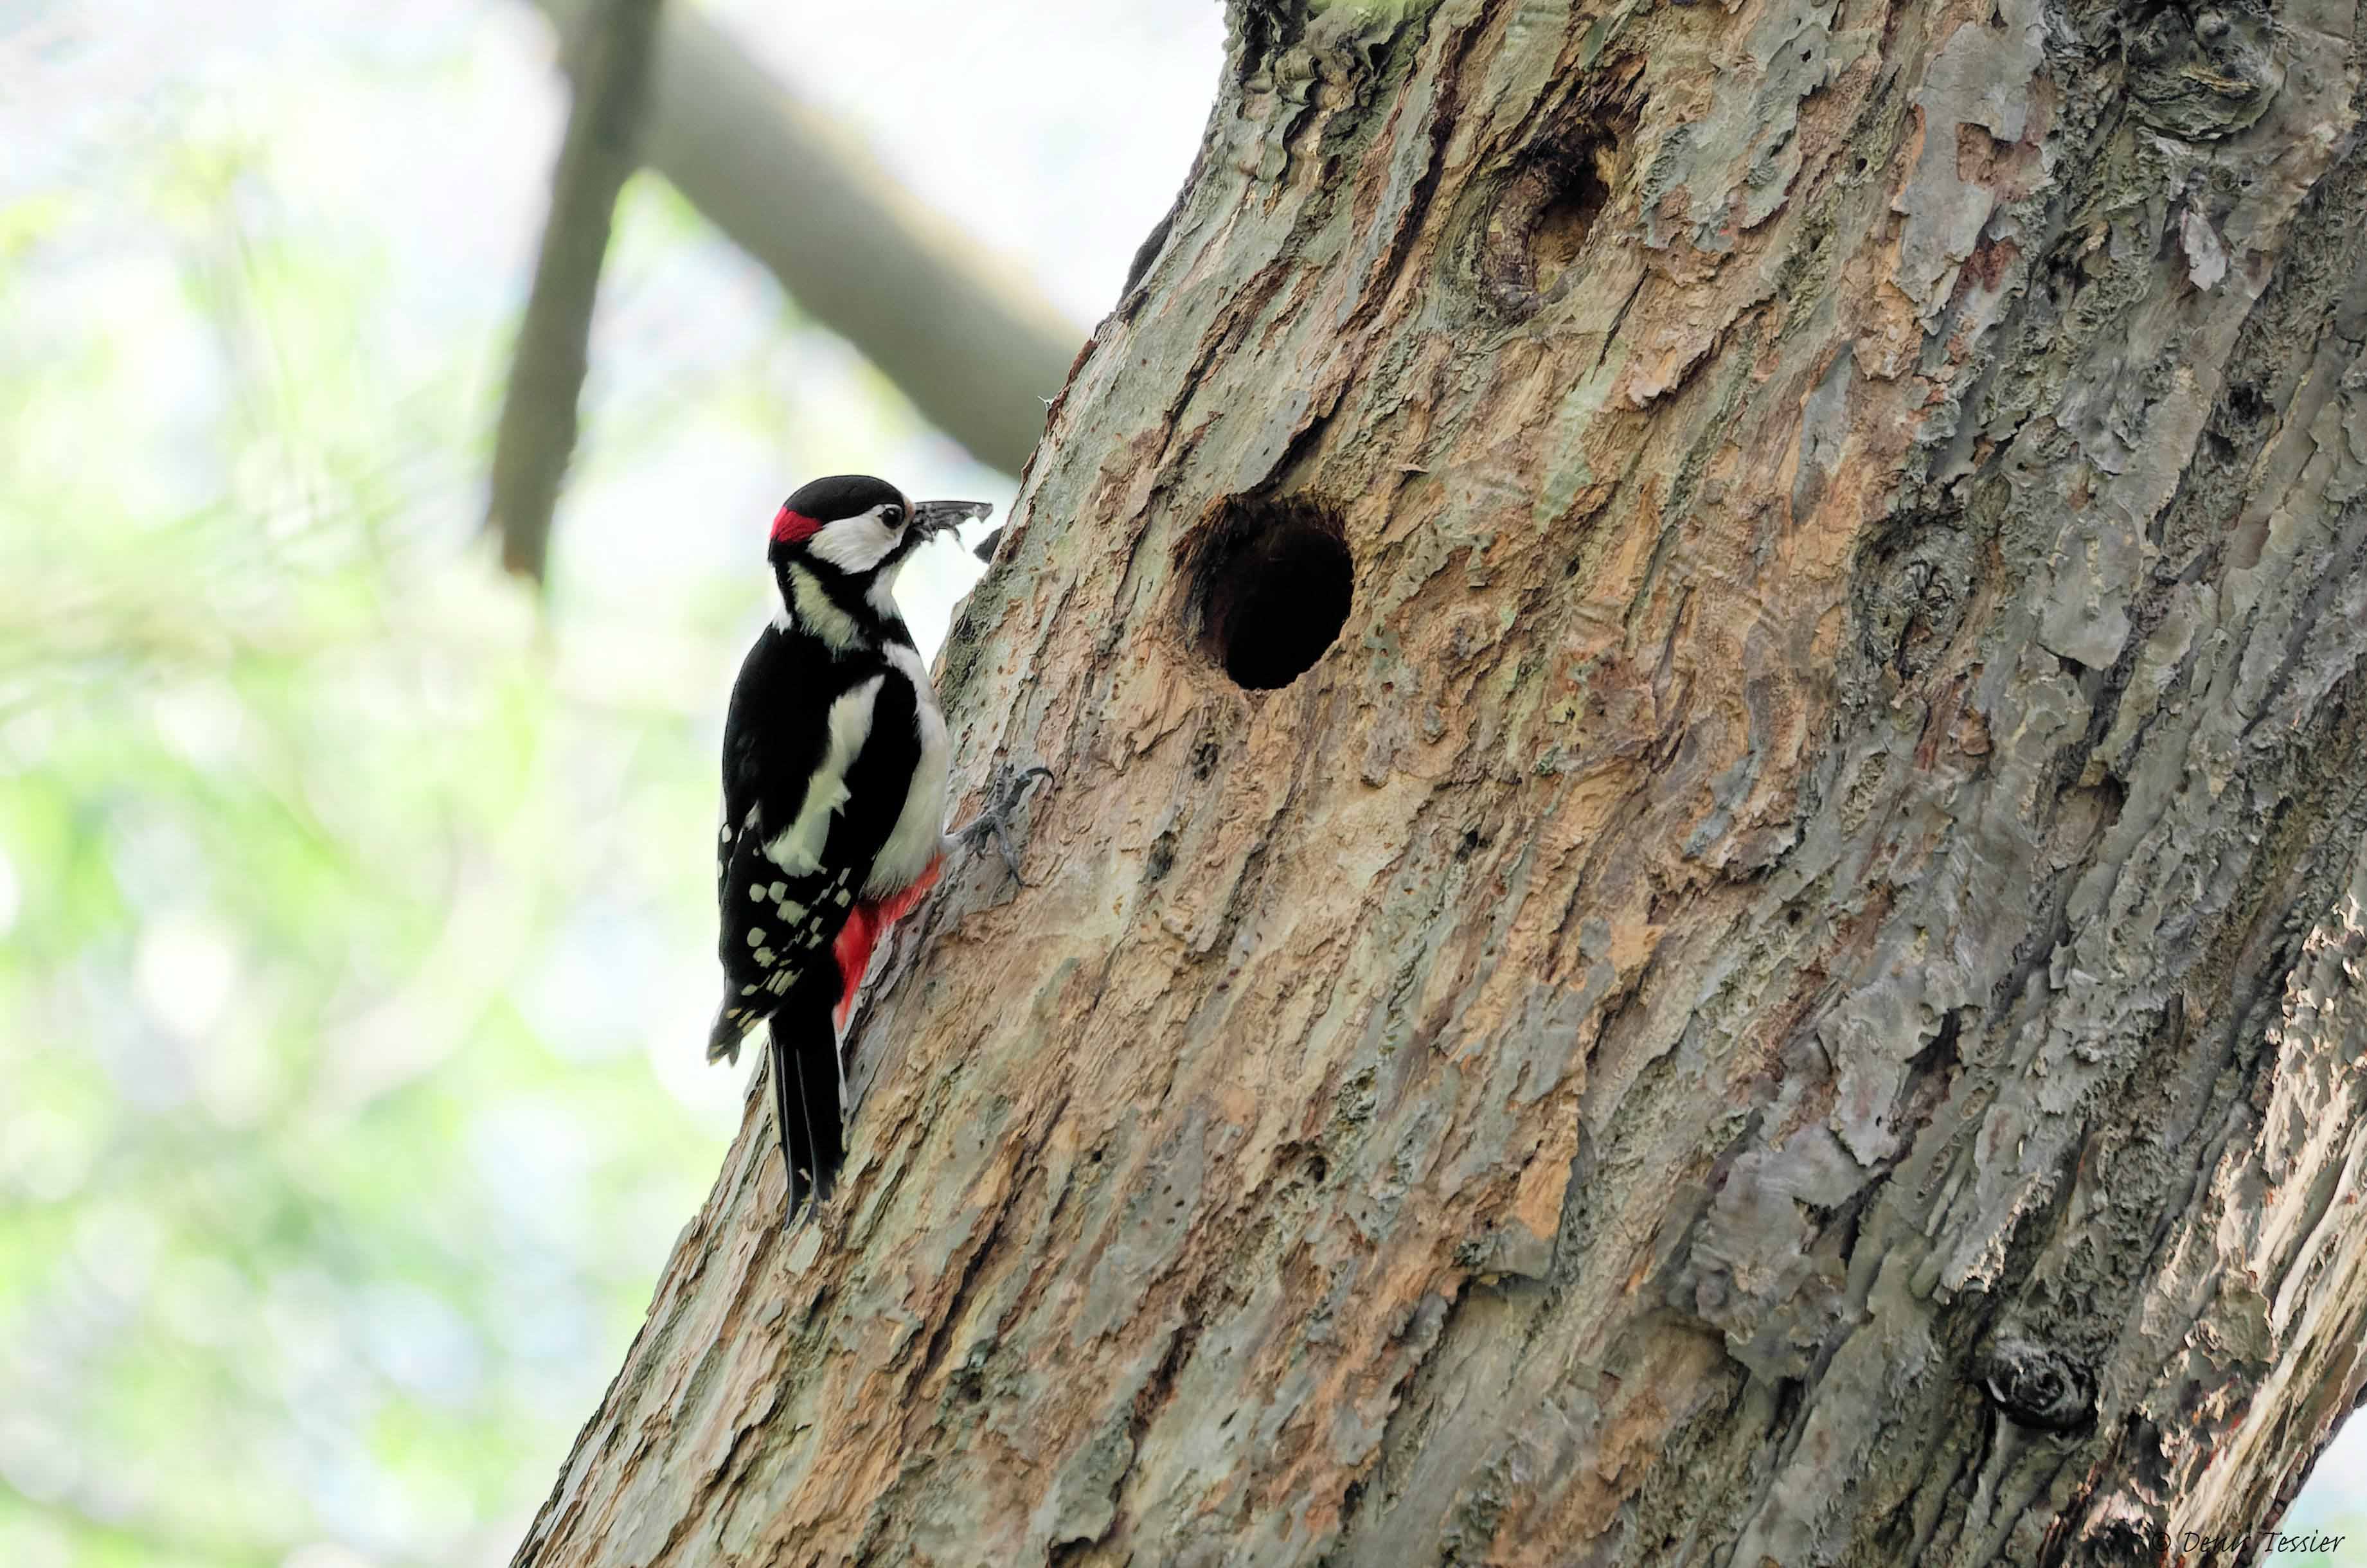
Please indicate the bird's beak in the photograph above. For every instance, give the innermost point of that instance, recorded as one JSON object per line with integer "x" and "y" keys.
{"x": 935, "y": 517}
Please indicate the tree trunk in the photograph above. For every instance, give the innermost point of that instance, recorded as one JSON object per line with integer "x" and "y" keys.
{"x": 1787, "y": 991}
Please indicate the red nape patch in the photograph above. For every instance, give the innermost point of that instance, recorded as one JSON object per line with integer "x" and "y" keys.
{"x": 866, "y": 923}
{"x": 793, "y": 527}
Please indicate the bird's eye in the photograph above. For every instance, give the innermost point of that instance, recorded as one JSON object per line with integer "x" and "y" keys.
{"x": 892, "y": 515}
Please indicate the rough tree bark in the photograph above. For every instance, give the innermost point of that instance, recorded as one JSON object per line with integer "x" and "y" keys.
{"x": 1786, "y": 991}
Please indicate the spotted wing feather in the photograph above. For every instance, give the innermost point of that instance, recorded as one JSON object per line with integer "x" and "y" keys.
{"x": 809, "y": 806}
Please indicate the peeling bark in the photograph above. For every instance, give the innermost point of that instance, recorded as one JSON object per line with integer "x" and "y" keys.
{"x": 1788, "y": 988}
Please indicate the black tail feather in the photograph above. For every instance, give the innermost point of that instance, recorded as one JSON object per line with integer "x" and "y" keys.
{"x": 805, "y": 1101}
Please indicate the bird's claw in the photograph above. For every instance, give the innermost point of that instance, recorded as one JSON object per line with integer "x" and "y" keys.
{"x": 1004, "y": 791}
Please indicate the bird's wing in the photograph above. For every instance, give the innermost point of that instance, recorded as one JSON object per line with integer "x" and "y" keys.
{"x": 770, "y": 746}
{"x": 808, "y": 805}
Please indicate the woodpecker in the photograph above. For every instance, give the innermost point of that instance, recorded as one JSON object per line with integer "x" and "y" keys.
{"x": 834, "y": 789}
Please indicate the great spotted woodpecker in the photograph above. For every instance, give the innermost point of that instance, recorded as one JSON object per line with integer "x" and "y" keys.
{"x": 834, "y": 791}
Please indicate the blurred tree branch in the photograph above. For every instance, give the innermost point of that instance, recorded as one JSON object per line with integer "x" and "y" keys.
{"x": 977, "y": 348}
{"x": 610, "y": 67}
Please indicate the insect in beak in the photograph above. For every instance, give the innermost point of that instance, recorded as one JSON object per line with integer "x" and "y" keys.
{"x": 931, "y": 518}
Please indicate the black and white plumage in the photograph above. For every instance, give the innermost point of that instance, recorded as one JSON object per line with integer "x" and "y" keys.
{"x": 834, "y": 790}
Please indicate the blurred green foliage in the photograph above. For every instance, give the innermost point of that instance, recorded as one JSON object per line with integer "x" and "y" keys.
{"x": 354, "y": 917}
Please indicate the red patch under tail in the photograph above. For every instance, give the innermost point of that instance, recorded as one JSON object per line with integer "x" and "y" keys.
{"x": 866, "y": 923}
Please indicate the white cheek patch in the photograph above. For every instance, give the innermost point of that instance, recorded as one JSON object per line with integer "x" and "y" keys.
{"x": 799, "y": 850}
{"x": 854, "y": 545}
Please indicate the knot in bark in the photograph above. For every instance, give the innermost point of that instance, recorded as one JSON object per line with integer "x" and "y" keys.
{"x": 2037, "y": 1385}
{"x": 2204, "y": 73}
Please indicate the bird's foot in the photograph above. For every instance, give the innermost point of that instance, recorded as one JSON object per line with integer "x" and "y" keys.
{"x": 1005, "y": 789}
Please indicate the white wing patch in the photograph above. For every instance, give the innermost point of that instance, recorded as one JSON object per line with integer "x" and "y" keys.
{"x": 919, "y": 827}
{"x": 797, "y": 850}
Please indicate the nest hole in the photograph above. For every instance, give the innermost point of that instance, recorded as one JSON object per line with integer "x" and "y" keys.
{"x": 1539, "y": 221}
{"x": 1274, "y": 583}
{"x": 1578, "y": 198}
